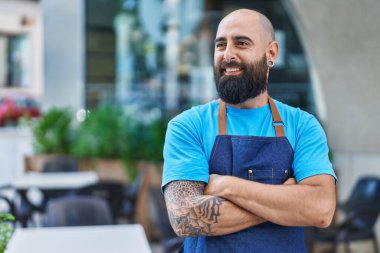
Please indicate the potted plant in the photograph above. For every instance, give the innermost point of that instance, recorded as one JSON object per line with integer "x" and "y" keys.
{"x": 109, "y": 141}
{"x": 5, "y": 230}
{"x": 52, "y": 134}
{"x": 145, "y": 144}
{"x": 102, "y": 138}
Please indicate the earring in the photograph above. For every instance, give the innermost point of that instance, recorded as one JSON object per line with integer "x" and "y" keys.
{"x": 270, "y": 63}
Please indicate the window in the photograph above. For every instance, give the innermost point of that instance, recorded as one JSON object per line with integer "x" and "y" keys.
{"x": 14, "y": 61}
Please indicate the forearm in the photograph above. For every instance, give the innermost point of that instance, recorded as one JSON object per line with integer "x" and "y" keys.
{"x": 289, "y": 205}
{"x": 203, "y": 215}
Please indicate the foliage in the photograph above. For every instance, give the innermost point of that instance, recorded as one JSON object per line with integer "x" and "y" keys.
{"x": 106, "y": 132}
{"x": 102, "y": 134}
{"x": 52, "y": 132}
{"x": 158, "y": 131}
{"x": 5, "y": 230}
{"x": 145, "y": 142}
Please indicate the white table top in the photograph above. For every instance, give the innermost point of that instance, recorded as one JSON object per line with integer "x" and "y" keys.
{"x": 90, "y": 239}
{"x": 56, "y": 180}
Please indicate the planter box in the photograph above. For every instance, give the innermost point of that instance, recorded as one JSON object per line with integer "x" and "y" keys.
{"x": 35, "y": 162}
{"x": 111, "y": 169}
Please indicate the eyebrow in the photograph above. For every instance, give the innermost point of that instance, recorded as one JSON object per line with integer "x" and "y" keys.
{"x": 238, "y": 37}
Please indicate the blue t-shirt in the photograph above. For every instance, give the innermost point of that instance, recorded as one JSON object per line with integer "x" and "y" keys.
{"x": 190, "y": 137}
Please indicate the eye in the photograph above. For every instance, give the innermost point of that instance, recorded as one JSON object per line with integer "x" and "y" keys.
{"x": 221, "y": 44}
{"x": 242, "y": 43}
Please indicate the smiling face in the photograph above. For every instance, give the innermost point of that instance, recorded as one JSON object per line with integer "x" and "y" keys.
{"x": 238, "y": 82}
{"x": 243, "y": 44}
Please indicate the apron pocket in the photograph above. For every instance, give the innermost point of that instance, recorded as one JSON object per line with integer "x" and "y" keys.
{"x": 268, "y": 176}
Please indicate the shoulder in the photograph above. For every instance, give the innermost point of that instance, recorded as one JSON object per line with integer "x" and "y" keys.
{"x": 296, "y": 117}
{"x": 299, "y": 124}
{"x": 292, "y": 112}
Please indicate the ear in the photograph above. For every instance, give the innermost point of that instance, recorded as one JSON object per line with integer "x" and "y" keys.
{"x": 272, "y": 51}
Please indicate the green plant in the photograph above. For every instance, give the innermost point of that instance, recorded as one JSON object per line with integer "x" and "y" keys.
{"x": 106, "y": 132}
{"x": 156, "y": 138}
{"x": 102, "y": 134}
{"x": 5, "y": 230}
{"x": 145, "y": 142}
{"x": 52, "y": 132}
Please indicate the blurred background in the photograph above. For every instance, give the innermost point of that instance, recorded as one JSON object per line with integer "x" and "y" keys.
{"x": 91, "y": 84}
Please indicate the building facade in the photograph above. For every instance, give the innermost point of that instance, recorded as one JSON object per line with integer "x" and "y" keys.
{"x": 21, "y": 62}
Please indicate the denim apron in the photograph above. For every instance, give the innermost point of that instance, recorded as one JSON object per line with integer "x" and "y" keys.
{"x": 265, "y": 160}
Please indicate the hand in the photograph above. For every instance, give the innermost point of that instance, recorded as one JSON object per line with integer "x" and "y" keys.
{"x": 290, "y": 181}
{"x": 215, "y": 185}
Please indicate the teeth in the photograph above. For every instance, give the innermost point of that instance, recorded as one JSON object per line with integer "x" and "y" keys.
{"x": 232, "y": 69}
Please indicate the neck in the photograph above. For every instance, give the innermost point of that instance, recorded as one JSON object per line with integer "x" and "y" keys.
{"x": 252, "y": 103}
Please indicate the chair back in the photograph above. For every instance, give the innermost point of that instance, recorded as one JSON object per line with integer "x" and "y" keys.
{"x": 111, "y": 192}
{"x": 6, "y": 205}
{"x": 366, "y": 192}
{"x": 77, "y": 211}
{"x": 61, "y": 164}
{"x": 363, "y": 206}
{"x": 363, "y": 218}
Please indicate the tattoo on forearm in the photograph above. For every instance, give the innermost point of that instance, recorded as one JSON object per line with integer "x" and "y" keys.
{"x": 209, "y": 208}
{"x": 191, "y": 213}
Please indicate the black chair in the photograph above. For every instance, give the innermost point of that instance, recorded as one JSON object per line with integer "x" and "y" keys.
{"x": 77, "y": 211}
{"x": 16, "y": 206}
{"x": 111, "y": 192}
{"x": 6, "y": 205}
{"x": 361, "y": 212}
{"x": 61, "y": 164}
{"x": 170, "y": 242}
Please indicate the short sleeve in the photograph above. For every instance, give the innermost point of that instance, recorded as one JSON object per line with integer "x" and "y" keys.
{"x": 184, "y": 157}
{"x": 311, "y": 150}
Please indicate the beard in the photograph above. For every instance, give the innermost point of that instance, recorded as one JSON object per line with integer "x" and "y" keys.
{"x": 238, "y": 89}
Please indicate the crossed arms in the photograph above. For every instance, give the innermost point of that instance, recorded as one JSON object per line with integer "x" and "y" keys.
{"x": 229, "y": 204}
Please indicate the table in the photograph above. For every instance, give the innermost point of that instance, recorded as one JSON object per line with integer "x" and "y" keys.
{"x": 37, "y": 188}
{"x": 56, "y": 180}
{"x": 89, "y": 239}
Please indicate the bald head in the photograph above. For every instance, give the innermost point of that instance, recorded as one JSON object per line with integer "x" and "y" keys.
{"x": 245, "y": 36}
{"x": 256, "y": 18}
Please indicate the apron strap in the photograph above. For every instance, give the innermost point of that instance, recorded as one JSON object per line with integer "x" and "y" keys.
{"x": 277, "y": 122}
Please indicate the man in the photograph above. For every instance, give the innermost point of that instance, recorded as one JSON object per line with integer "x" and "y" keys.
{"x": 246, "y": 173}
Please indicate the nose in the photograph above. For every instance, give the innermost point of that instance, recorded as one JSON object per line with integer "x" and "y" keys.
{"x": 229, "y": 53}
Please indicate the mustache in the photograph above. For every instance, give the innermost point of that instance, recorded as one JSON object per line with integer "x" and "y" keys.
{"x": 231, "y": 64}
